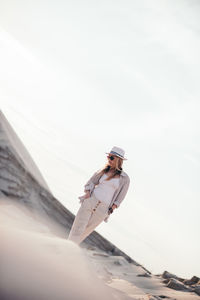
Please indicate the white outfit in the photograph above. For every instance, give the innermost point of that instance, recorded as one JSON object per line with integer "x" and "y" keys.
{"x": 90, "y": 214}
{"x": 93, "y": 210}
{"x": 105, "y": 189}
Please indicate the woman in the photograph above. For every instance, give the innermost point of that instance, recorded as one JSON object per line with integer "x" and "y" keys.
{"x": 104, "y": 192}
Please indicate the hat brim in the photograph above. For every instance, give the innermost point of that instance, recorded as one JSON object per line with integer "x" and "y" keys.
{"x": 116, "y": 155}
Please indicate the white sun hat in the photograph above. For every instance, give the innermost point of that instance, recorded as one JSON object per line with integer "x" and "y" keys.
{"x": 118, "y": 152}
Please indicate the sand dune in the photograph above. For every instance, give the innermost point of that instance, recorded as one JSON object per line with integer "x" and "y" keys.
{"x": 36, "y": 264}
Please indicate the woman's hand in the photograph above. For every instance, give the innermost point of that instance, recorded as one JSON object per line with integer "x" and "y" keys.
{"x": 87, "y": 194}
{"x": 114, "y": 206}
{"x": 111, "y": 209}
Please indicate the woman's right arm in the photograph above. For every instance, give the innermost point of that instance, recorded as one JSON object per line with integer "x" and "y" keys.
{"x": 90, "y": 184}
{"x": 88, "y": 187}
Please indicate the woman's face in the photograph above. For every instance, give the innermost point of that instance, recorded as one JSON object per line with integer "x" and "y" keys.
{"x": 111, "y": 160}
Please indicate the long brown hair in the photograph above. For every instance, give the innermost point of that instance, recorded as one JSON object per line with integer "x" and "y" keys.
{"x": 117, "y": 168}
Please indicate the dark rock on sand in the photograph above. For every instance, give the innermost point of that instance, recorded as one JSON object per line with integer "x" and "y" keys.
{"x": 193, "y": 280}
{"x": 177, "y": 285}
{"x": 160, "y": 297}
{"x": 166, "y": 280}
{"x": 197, "y": 290}
{"x": 168, "y": 275}
{"x": 144, "y": 275}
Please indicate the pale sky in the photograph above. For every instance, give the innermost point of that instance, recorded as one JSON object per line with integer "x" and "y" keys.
{"x": 79, "y": 77}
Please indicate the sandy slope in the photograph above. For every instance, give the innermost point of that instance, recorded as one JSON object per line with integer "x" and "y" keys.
{"x": 36, "y": 264}
{"x": 117, "y": 273}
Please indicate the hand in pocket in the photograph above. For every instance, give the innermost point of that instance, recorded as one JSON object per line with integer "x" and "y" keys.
{"x": 82, "y": 198}
{"x": 87, "y": 194}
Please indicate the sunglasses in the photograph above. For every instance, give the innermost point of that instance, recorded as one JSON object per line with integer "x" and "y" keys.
{"x": 111, "y": 157}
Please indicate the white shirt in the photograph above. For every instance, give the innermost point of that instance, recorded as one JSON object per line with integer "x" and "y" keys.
{"x": 105, "y": 189}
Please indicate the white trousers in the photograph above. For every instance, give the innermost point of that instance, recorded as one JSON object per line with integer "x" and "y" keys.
{"x": 91, "y": 213}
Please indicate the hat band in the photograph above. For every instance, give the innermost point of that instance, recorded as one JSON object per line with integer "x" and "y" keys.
{"x": 113, "y": 152}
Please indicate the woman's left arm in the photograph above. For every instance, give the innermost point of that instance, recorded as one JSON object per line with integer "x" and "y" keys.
{"x": 122, "y": 193}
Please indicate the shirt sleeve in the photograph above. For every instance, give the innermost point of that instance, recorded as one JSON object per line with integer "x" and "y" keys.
{"x": 90, "y": 184}
{"x": 122, "y": 193}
